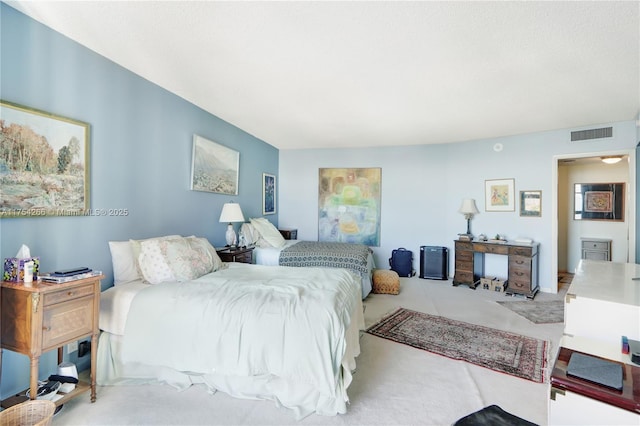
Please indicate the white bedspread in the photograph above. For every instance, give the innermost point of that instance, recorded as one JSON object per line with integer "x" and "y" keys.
{"x": 283, "y": 325}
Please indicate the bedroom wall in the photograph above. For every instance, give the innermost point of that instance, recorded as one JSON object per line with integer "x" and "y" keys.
{"x": 423, "y": 186}
{"x": 141, "y": 142}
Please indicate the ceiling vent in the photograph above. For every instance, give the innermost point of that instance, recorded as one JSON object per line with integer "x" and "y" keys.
{"x": 585, "y": 135}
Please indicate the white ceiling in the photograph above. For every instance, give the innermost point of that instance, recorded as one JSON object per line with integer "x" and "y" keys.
{"x": 348, "y": 74}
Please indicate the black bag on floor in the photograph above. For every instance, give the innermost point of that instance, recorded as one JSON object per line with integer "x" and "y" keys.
{"x": 401, "y": 261}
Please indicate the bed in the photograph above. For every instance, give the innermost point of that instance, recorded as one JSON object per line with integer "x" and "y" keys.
{"x": 286, "y": 334}
{"x": 272, "y": 249}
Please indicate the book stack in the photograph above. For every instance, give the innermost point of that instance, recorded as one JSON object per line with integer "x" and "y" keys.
{"x": 67, "y": 275}
{"x": 465, "y": 237}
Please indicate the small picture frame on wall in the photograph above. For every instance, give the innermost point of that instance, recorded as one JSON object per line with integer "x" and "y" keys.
{"x": 531, "y": 203}
{"x": 268, "y": 194}
{"x": 499, "y": 195}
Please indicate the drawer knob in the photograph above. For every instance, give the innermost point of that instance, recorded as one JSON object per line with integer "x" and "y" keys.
{"x": 70, "y": 293}
{"x": 47, "y": 328}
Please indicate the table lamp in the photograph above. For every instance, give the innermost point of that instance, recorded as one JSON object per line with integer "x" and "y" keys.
{"x": 468, "y": 209}
{"x": 231, "y": 212}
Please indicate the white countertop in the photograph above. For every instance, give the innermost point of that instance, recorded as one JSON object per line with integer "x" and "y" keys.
{"x": 607, "y": 281}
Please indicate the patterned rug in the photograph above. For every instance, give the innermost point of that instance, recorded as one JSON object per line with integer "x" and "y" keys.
{"x": 509, "y": 353}
{"x": 538, "y": 312}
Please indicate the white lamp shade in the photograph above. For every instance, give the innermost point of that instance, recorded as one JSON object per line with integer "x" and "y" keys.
{"x": 468, "y": 206}
{"x": 231, "y": 212}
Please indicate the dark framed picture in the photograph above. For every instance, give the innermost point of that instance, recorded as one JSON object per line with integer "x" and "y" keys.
{"x": 44, "y": 163}
{"x": 268, "y": 194}
{"x": 598, "y": 201}
{"x": 531, "y": 203}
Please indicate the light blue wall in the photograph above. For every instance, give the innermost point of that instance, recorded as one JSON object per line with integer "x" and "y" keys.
{"x": 423, "y": 186}
{"x": 141, "y": 140}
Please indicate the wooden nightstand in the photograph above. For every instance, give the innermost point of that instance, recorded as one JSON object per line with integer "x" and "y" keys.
{"x": 46, "y": 316}
{"x": 241, "y": 255}
{"x": 289, "y": 233}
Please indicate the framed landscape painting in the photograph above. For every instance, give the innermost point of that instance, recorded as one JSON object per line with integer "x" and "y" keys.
{"x": 214, "y": 167}
{"x": 44, "y": 163}
{"x": 598, "y": 201}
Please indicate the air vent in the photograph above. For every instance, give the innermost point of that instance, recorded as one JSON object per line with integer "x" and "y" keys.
{"x": 585, "y": 135}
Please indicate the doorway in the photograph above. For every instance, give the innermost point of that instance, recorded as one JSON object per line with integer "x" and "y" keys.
{"x": 566, "y": 232}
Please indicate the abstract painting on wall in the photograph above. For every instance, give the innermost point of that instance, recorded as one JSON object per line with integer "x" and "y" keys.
{"x": 349, "y": 205}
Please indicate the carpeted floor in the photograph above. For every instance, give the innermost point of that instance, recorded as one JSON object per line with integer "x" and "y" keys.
{"x": 509, "y": 353}
{"x": 538, "y": 311}
{"x": 393, "y": 384}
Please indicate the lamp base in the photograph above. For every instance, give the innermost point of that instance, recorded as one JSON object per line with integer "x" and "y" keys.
{"x": 230, "y": 235}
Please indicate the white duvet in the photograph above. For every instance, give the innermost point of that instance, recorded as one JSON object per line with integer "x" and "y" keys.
{"x": 281, "y": 330}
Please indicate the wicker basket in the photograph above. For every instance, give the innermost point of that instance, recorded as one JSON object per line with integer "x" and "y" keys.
{"x": 37, "y": 412}
{"x": 386, "y": 282}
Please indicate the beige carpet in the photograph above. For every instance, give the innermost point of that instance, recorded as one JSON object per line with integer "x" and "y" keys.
{"x": 394, "y": 384}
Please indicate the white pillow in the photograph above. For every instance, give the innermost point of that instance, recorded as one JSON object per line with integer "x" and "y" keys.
{"x": 153, "y": 263}
{"x": 268, "y": 232}
{"x": 135, "y": 249}
{"x": 124, "y": 264}
{"x": 250, "y": 233}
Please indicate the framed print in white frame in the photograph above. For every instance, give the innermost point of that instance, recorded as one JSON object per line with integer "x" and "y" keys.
{"x": 268, "y": 194}
{"x": 531, "y": 203}
{"x": 214, "y": 167}
{"x": 499, "y": 195}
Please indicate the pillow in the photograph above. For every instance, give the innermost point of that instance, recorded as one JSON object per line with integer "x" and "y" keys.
{"x": 152, "y": 262}
{"x": 203, "y": 242}
{"x": 268, "y": 232}
{"x": 135, "y": 249}
{"x": 188, "y": 258}
{"x": 250, "y": 233}
{"x": 124, "y": 264}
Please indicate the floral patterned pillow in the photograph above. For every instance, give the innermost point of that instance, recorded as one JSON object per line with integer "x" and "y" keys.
{"x": 187, "y": 258}
{"x": 152, "y": 263}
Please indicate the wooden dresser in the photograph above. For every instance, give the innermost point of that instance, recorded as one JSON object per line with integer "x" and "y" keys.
{"x": 523, "y": 264}
{"x": 45, "y": 316}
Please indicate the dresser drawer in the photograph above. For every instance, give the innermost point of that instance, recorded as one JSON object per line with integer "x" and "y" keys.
{"x": 595, "y": 245}
{"x": 519, "y": 284}
{"x": 491, "y": 248}
{"x": 464, "y": 245}
{"x": 521, "y": 251}
{"x": 67, "y": 321}
{"x": 464, "y": 256}
{"x": 464, "y": 277}
{"x": 66, "y": 294}
{"x": 520, "y": 263}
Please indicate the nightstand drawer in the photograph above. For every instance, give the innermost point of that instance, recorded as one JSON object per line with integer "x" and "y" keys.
{"x": 66, "y": 321}
{"x": 67, "y": 294}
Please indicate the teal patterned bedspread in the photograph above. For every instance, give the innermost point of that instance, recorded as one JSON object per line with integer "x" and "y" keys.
{"x": 327, "y": 254}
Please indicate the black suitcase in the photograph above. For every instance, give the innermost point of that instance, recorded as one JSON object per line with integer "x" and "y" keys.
{"x": 401, "y": 261}
{"x": 434, "y": 262}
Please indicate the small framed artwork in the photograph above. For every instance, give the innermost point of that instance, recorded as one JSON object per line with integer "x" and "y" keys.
{"x": 499, "y": 195}
{"x": 214, "y": 167}
{"x": 44, "y": 163}
{"x": 598, "y": 201}
{"x": 268, "y": 194}
{"x": 531, "y": 203}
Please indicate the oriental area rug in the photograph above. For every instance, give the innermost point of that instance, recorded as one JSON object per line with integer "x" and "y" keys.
{"x": 538, "y": 312}
{"x": 509, "y": 353}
